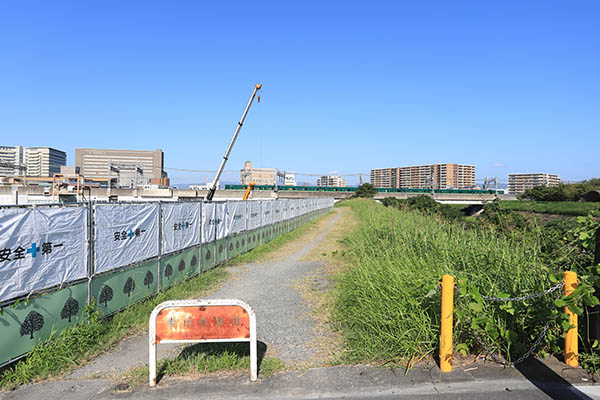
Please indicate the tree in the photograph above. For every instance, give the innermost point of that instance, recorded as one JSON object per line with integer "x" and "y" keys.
{"x": 366, "y": 190}
{"x": 70, "y": 309}
{"x": 181, "y": 266}
{"x": 33, "y": 322}
{"x": 230, "y": 246}
{"x": 169, "y": 271}
{"x": 194, "y": 261}
{"x": 220, "y": 248}
{"x": 106, "y": 295}
{"x": 129, "y": 286}
{"x": 148, "y": 279}
{"x": 208, "y": 254}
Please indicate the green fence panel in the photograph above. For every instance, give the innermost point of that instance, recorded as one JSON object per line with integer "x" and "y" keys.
{"x": 267, "y": 233}
{"x": 234, "y": 245}
{"x": 24, "y": 325}
{"x": 221, "y": 250}
{"x": 244, "y": 243}
{"x": 115, "y": 291}
{"x": 253, "y": 239}
{"x": 208, "y": 256}
{"x": 177, "y": 267}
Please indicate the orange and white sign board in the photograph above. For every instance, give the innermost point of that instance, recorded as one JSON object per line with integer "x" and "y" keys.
{"x": 201, "y": 321}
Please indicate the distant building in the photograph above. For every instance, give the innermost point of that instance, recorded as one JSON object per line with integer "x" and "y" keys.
{"x": 260, "y": 176}
{"x": 289, "y": 179}
{"x": 518, "y": 183}
{"x": 331, "y": 181}
{"x": 440, "y": 176}
{"x": 130, "y": 168}
{"x": 39, "y": 161}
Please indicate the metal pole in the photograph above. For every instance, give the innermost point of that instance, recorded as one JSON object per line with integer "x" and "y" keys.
{"x": 593, "y": 313}
{"x": 160, "y": 248}
{"x": 213, "y": 188}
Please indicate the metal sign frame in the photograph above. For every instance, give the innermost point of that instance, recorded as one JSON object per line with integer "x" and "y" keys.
{"x": 200, "y": 303}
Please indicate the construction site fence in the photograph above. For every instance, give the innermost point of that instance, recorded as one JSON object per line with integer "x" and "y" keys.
{"x": 56, "y": 259}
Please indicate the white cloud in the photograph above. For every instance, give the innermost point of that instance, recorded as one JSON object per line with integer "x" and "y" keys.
{"x": 498, "y": 164}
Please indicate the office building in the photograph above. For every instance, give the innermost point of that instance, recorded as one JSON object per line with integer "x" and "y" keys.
{"x": 260, "y": 176}
{"x": 440, "y": 176}
{"x": 128, "y": 168}
{"x": 518, "y": 183}
{"x": 37, "y": 161}
{"x": 331, "y": 181}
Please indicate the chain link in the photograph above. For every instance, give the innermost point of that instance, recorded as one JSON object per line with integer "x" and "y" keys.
{"x": 537, "y": 342}
{"x": 478, "y": 338}
{"x": 526, "y": 297}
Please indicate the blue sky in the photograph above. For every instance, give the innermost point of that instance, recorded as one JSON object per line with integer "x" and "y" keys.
{"x": 509, "y": 86}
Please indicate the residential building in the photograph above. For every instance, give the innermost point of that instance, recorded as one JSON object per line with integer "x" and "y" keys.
{"x": 518, "y": 183}
{"x": 129, "y": 168}
{"x": 260, "y": 176}
{"x": 331, "y": 181}
{"x": 440, "y": 176}
{"x": 38, "y": 161}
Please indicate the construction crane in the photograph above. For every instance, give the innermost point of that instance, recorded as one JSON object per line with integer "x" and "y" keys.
{"x": 213, "y": 189}
{"x": 248, "y": 191}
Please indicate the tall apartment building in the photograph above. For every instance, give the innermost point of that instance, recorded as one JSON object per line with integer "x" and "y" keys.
{"x": 331, "y": 181}
{"x": 260, "y": 176}
{"x": 518, "y": 183}
{"x": 39, "y": 161}
{"x": 442, "y": 176}
{"x": 130, "y": 167}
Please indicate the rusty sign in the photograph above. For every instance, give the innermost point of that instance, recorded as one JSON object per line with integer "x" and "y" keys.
{"x": 198, "y": 321}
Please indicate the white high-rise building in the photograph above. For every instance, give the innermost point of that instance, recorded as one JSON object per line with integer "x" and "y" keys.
{"x": 39, "y": 161}
{"x": 518, "y": 183}
{"x": 331, "y": 181}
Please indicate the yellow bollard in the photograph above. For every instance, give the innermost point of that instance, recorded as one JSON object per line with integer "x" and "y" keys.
{"x": 571, "y": 344}
{"x": 446, "y": 323}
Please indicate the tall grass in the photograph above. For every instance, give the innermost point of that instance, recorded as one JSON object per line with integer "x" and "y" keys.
{"x": 571, "y": 208}
{"x": 386, "y": 307}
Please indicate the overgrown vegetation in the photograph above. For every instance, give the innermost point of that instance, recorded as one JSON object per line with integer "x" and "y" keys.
{"x": 553, "y": 207}
{"x": 365, "y": 190}
{"x": 388, "y": 307}
{"x": 562, "y": 192}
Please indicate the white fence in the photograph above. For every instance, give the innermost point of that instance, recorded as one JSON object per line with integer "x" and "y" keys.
{"x": 42, "y": 247}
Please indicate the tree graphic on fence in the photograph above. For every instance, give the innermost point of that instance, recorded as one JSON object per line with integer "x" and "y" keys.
{"x": 168, "y": 271}
{"x": 106, "y": 295}
{"x": 33, "y": 322}
{"x": 208, "y": 254}
{"x": 220, "y": 248}
{"x": 194, "y": 261}
{"x": 181, "y": 266}
{"x": 129, "y": 286}
{"x": 148, "y": 279}
{"x": 230, "y": 246}
{"x": 70, "y": 309}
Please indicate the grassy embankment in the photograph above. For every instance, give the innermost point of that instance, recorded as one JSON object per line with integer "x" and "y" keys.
{"x": 386, "y": 307}
{"x": 79, "y": 344}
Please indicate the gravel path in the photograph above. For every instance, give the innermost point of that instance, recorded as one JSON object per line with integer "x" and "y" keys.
{"x": 281, "y": 314}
